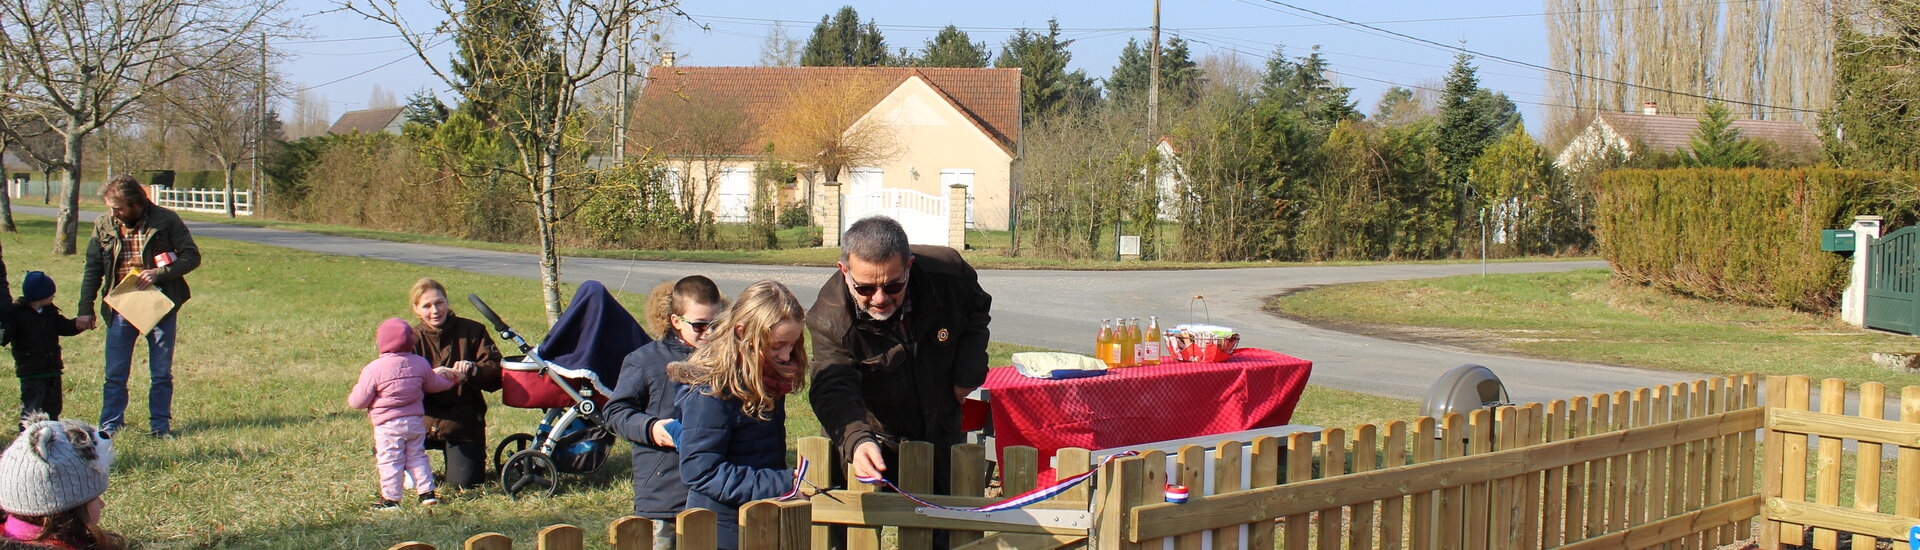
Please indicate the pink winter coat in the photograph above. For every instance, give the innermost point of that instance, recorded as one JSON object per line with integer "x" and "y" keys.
{"x": 392, "y": 386}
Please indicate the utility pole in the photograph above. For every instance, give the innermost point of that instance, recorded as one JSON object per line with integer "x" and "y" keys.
{"x": 259, "y": 131}
{"x": 620, "y": 91}
{"x": 1153, "y": 79}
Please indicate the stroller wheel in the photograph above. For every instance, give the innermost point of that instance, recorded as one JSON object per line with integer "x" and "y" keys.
{"x": 529, "y": 471}
{"x": 510, "y": 446}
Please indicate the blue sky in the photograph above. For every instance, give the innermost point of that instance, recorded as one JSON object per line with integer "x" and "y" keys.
{"x": 341, "y": 46}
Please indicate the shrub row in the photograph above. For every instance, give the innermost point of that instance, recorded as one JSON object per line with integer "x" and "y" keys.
{"x": 1746, "y": 235}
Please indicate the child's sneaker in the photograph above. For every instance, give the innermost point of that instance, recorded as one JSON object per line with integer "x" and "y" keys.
{"x": 429, "y": 499}
{"x": 384, "y": 505}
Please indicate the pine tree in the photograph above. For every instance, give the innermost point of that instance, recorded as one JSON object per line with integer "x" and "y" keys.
{"x": 1046, "y": 88}
{"x": 1179, "y": 73}
{"x": 425, "y": 109}
{"x": 1465, "y": 130}
{"x": 498, "y": 32}
{"x": 1717, "y": 144}
{"x": 950, "y": 48}
{"x": 841, "y": 41}
{"x": 1303, "y": 86}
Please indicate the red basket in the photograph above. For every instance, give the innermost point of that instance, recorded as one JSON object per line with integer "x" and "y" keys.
{"x": 1205, "y": 349}
{"x": 532, "y": 389}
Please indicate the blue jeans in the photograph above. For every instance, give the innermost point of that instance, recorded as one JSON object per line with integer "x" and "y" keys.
{"x": 113, "y": 399}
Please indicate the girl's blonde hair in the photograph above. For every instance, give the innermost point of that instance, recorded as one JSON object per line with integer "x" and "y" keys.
{"x": 730, "y": 362}
{"x": 672, "y": 297}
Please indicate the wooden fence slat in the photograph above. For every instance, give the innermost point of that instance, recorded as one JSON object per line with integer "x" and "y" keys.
{"x": 1639, "y": 493}
{"x": 1866, "y": 476}
{"x": 698, "y": 528}
{"x": 1653, "y": 534}
{"x": 796, "y": 524}
{"x": 1864, "y": 430}
{"x": 1617, "y": 467}
{"x": 630, "y": 533}
{"x": 1364, "y": 453}
{"x": 1530, "y": 435}
{"x": 489, "y": 541}
{"x": 1393, "y": 511}
{"x": 1793, "y": 467}
{"x": 1333, "y": 463}
{"x": 1749, "y": 398}
{"x": 1575, "y": 518}
{"x": 411, "y": 545}
{"x": 868, "y": 538}
{"x": 1845, "y": 519}
{"x": 1906, "y": 479}
{"x": 969, "y": 479}
{"x": 1299, "y": 468}
{"x": 1226, "y": 479}
{"x": 1679, "y": 407}
{"x": 1263, "y": 472}
{"x": 1119, "y": 483}
{"x": 818, "y": 450}
{"x": 1658, "y": 412}
{"x": 1598, "y": 420}
{"x": 760, "y": 525}
{"x": 1697, "y": 460}
{"x": 916, "y": 477}
{"x": 1019, "y": 469}
{"x": 1554, "y": 501}
{"x": 1730, "y": 459}
{"x": 563, "y": 537}
{"x": 1716, "y": 461}
{"x": 1423, "y": 520}
{"x": 1152, "y": 488}
{"x": 1449, "y": 504}
{"x": 1474, "y": 528}
{"x": 1772, "y": 456}
{"x": 1192, "y": 462}
{"x": 1501, "y": 492}
{"x": 1069, "y": 462}
{"x": 1833, "y": 400}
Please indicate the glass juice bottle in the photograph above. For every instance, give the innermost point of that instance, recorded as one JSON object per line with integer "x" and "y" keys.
{"x": 1151, "y": 353}
{"x": 1125, "y": 336}
{"x": 1103, "y": 345}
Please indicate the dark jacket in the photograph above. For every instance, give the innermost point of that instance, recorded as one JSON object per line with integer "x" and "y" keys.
{"x": 459, "y": 414}
{"x": 645, "y": 395}
{"x": 165, "y": 233}
{"x": 727, "y": 457}
{"x": 875, "y": 379}
{"x": 35, "y": 337}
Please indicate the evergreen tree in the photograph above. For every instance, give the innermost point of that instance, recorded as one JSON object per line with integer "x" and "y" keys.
{"x": 1466, "y": 129}
{"x": 1179, "y": 73}
{"x": 425, "y": 109}
{"x": 499, "y": 35}
{"x": 779, "y": 50}
{"x": 1046, "y": 88}
{"x": 1717, "y": 144}
{"x": 1499, "y": 110}
{"x": 841, "y": 41}
{"x": 1396, "y": 107}
{"x": 950, "y": 48}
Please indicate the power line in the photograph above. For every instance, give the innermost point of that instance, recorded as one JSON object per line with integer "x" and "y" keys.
{"x": 1463, "y": 17}
{"x": 374, "y": 68}
{"x": 1461, "y": 49}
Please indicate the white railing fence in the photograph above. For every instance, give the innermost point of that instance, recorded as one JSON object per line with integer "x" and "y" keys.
{"x": 923, "y": 216}
{"x": 203, "y": 200}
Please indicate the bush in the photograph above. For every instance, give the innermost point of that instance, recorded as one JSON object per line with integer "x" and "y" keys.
{"x": 1746, "y": 235}
{"x": 795, "y": 214}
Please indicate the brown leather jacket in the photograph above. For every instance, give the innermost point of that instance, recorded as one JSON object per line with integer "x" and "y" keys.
{"x": 459, "y": 414}
{"x": 895, "y": 379}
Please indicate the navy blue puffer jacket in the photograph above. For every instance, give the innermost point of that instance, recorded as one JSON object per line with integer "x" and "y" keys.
{"x": 643, "y": 396}
{"x": 729, "y": 458}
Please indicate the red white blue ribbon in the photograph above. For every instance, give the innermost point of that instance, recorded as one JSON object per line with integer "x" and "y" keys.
{"x": 1018, "y": 501}
{"x": 799, "y": 475}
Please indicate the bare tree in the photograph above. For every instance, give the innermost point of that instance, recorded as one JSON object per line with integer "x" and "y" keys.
{"x": 219, "y": 114}
{"x": 822, "y": 124}
{"x": 85, "y": 63}
{"x": 696, "y": 136}
{"x": 535, "y": 71}
{"x": 311, "y": 116}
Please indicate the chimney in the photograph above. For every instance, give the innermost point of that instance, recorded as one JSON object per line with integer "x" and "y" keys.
{"x": 1648, "y": 108}
{"x": 666, "y": 59}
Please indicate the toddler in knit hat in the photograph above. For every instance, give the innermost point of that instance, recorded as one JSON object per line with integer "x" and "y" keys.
{"x": 51, "y": 479}
{"x": 391, "y": 389}
{"x": 34, "y": 327}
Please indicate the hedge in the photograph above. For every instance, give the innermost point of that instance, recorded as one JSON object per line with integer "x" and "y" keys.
{"x": 1745, "y": 235}
{"x": 199, "y": 179}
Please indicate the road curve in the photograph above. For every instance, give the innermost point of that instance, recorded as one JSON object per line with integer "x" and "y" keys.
{"x": 1061, "y": 309}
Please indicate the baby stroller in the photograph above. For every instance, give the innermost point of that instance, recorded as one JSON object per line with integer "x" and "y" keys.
{"x": 570, "y": 376}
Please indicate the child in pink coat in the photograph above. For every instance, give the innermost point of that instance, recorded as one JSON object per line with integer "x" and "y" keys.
{"x": 391, "y": 388}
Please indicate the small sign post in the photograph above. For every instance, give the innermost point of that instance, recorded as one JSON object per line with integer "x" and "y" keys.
{"x": 1130, "y": 245}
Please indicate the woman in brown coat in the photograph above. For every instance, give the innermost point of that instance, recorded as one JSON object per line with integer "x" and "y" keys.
{"x": 457, "y": 418}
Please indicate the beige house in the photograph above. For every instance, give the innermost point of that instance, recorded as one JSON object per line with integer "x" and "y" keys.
{"x": 1629, "y": 134}
{"x": 947, "y": 127}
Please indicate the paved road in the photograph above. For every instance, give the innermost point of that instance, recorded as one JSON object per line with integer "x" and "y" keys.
{"x": 1061, "y": 309}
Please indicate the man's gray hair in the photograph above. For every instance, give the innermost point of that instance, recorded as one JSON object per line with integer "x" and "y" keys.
{"x": 875, "y": 239}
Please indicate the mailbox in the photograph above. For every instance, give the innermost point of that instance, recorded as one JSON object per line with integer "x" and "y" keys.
{"x": 1836, "y": 240}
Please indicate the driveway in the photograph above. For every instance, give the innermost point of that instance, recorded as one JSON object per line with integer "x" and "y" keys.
{"x": 1062, "y": 309}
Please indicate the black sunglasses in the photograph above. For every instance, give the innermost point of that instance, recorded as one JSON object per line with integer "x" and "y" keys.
{"x": 699, "y": 327}
{"x": 889, "y": 288}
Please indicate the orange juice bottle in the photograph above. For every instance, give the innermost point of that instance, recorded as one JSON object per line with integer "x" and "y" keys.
{"x": 1151, "y": 354}
{"x": 1129, "y": 356}
{"x": 1103, "y": 346}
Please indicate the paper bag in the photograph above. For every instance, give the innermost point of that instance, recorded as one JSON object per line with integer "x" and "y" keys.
{"x": 142, "y": 308}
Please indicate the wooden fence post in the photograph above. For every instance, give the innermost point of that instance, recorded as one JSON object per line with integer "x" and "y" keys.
{"x": 1299, "y": 468}
{"x": 1716, "y": 457}
{"x": 1393, "y": 512}
{"x": 970, "y": 480}
{"x": 630, "y": 533}
{"x": 1365, "y": 456}
{"x": 696, "y": 529}
{"x": 1678, "y": 455}
{"x": 916, "y": 477}
{"x": 1451, "y": 503}
{"x": 1501, "y": 493}
{"x": 1480, "y": 422}
{"x": 1907, "y": 477}
{"x": 489, "y": 541}
{"x": 760, "y": 526}
{"x": 1772, "y": 460}
{"x": 411, "y": 545}
{"x": 1333, "y": 463}
{"x": 1121, "y": 483}
{"x": 1425, "y": 521}
{"x": 1749, "y": 398}
{"x": 1833, "y": 400}
{"x": 1793, "y": 470}
{"x": 1191, "y": 464}
{"x": 562, "y": 537}
{"x": 1556, "y": 482}
{"x": 1226, "y": 479}
{"x": 796, "y": 525}
{"x": 1265, "y": 472}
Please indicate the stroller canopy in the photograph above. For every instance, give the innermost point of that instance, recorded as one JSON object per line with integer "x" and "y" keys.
{"x": 594, "y": 333}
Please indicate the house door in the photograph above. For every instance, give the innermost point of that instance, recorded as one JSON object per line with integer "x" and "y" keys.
{"x": 735, "y": 195}
{"x": 864, "y": 180}
{"x": 963, "y": 177}
{"x": 1893, "y": 281}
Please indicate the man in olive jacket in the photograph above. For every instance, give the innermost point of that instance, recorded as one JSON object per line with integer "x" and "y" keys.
{"x": 136, "y": 235}
{"x": 899, "y": 339}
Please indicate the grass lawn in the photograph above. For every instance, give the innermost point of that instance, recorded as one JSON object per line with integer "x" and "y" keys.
{"x": 269, "y": 454}
{"x": 1585, "y": 316}
{"x": 989, "y": 250}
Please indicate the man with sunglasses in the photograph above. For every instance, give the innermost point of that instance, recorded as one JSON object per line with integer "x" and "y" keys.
{"x": 899, "y": 339}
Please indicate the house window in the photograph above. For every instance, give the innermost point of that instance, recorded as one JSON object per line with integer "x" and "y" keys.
{"x": 735, "y": 196}
{"x": 864, "y": 180}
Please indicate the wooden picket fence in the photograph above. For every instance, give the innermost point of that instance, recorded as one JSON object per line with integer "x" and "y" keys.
{"x": 1790, "y": 514}
{"x": 1669, "y": 466}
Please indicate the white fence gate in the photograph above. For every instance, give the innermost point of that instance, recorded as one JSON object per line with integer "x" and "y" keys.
{"x": 203, "y": 200}
{"x": 924, "y": 216}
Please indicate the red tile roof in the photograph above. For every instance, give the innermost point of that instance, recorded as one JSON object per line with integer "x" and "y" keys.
{"x": 989, "y": 97}
{"x": 365, "y": 121}
{"x": 1665, "y": 132}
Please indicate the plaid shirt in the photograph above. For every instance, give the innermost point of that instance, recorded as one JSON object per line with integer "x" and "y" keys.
{"x": 133, "y": 239}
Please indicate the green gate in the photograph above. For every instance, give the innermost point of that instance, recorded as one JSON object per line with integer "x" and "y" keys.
{"x": 1893, "y": 281}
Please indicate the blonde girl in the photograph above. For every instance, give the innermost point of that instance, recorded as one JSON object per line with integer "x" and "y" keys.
{"x": 733, "y": 439}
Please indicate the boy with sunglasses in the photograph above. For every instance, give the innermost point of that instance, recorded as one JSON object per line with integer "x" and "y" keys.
{"x": 899, "y": 339}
